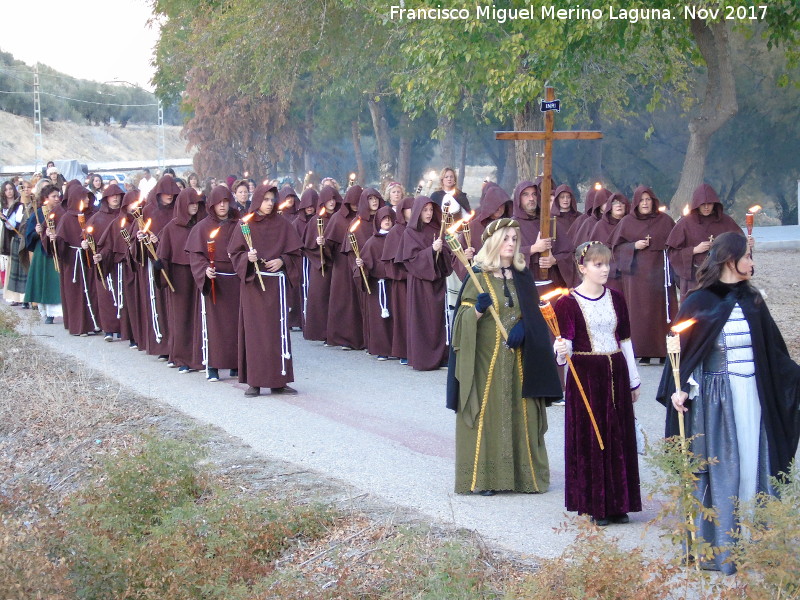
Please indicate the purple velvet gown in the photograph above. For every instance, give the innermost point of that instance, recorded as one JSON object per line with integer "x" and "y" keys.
{"x": 600, "y": 483}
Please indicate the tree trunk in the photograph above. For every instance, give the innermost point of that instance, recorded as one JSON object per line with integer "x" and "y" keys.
{"x": 462, "y": 162}
{"x": 528, "y": 119}
{"x": 309, "y": 128}
{"x": 719, "y": 105}
{"x": 447, "y": 145}
{"x": 596, "y": 147}
{"x": 404, "y": 152}
{"x": 357, "y": 151}
{"x": 509, "y": 179}
{"x": 380, "y": 125}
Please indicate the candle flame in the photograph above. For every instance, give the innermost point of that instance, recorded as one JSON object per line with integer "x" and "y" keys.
{"x": 432, "y": 175}
{"x": 558, "y": 292}
{"x": 214, "y": 233}
{"x": 355, "y": 225}
{"x": 467, "y": 218}
{"x": 123, "y": 222}
{"x": 247, "y": 217}
{"x": 455, "y": 227}
{"x": 754, "y": 209}
{"x": 322, "y": 211}
{"x": 683, "y": 325}
{"x": 285, "y": 204}
{"x": 686, "y": 210}
{"x": 265, "y": 182}
{"x": 80, "y": 206}
{"x": 662, "y": 209}
{"x": 311, "y": 172}
{"x": 89, "y": 229}
{"x": 352, "y": 177}
{"x": 147, "y": 225}
{"x": 598, "y": 186}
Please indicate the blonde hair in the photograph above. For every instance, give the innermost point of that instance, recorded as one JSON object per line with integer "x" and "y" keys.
{"x": 390, "y": 187}
{"x": 589, "y": 251}
{"x": 488, "y": 257}
{"x": 455, "y": 176}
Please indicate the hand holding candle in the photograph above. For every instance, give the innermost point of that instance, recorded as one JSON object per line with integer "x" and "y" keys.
{"x": 51, "y": 226}
{"x": 93, "y": 247}
{"x": 149, "y": 245}
{"x": 354, "y": 243}
{"x": 549, "y": 315}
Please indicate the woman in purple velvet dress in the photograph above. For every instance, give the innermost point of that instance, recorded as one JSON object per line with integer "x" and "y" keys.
{"x": 593, "y": 319}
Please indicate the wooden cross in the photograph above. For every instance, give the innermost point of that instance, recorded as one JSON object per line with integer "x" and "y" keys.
{"x": 548, "y": 135}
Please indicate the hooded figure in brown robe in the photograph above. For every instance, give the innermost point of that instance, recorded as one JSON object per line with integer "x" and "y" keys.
{"x": 78, "y": 295}
{"x": 428, "y": 264}
{"x": 265, "y": 350}
{"x": 369, "y": 202}
{"x": 495, "y": 204}
{"x": 117, "y": 262}
{"x": 377, "y": 306}
{"x": 560, "y": 264}
{"x": 60, "y": 211}
{"x": 565, "y": 209}
{"x": 584, "y": 231}
{"x": 153, "y": 308}
{"x": 690, "y": 240}
{"x": 107, "y": 303}
{"x": 305, "y": 218}
{"x": 318, "y": 284}
{"x": 396, "y": 272}
{"x": 617, "y": 206}
{"x": 640, "y": 252}
{"x": 219, "y": 327}
{"x": 588, "y": 207}
{"x": 185, "y": 340}
{"x": 295, "y": 216}
{"x": 345, "y": 326}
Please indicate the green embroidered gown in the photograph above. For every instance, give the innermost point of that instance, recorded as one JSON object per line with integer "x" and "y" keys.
{"x": 512, "y": 454}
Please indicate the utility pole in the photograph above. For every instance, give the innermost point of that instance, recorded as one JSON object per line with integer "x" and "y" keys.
{"x": 37, "y": 122}
{"x": 162, "y": 141}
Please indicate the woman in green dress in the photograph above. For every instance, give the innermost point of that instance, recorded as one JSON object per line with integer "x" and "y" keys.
{"x": 42, "y": 286}
{"x": 498, "y": 389}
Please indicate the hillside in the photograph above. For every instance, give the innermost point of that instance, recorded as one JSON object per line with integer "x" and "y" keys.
{"x": 87, "y": 143}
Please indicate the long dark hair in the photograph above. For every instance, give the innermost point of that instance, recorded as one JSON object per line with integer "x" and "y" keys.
{"x": 727, "y": 247}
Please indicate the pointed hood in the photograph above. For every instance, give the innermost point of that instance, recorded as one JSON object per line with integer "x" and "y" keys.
{"x": 327, "y": 193}
{"x": 363, "y": 203}
{"x": 111, "y": 190}
{"x": 286, "y": 192}
{"x": 621, "y": 198}
{"x": 519, "y": 211}
{"x": 78, "y": 194}
{"x": 601, "y": 197}
{"x": 185, "y": 198}
{"x": 383, "y": 212}
{"x": 405, "y": 203}
{"x": 218, "y": 195}
{"x": 129, "y": 198}
{"x": 309, "y": 199}
{"x": 637, "y": 198}
{"x": 167, "y": 185}
{"x": 258, "y": 197}
{"x": 705, "y": 194}
{"x": 588, "y": 205}
{"x": 494, "y": 198}
{"x": 573, "y": 205}
{"x": 353, "y": 195}
{"x": 415, "y": 222}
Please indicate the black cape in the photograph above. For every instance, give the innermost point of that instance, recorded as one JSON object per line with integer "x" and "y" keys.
{"x": 777, "y": 375}
{"x": 539, "y": 374}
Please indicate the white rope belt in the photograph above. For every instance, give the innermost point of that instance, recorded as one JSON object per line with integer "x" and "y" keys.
{"x": 285, "y": 354}
{"x": 667, "y": 283}
{"x": 383, "y": 299}
{"x": 153, "y": 310}
{"x": 120, "y": 293}
{"x": 446, "y": 323}
{"x": 78, "y": 260}
{"x": 305, "y": 286}
{"x": 205, "y": 330}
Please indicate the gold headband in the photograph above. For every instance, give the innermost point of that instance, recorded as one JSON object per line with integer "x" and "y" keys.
{"x": 498, "y": 224}
{"x": 580, "y": 251}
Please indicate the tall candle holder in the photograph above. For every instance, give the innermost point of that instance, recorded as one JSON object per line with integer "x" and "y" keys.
{"x": 93, "y": 247}
{"x": 211, "y": 248}
{"x": 50, "y": 217}
{"x": 244, "y": 223}
{"x": 354, "y": 243}
{"x": 550, "y": 318}
{"x": 321, "y": 233}
{"x": 149, "y": 245}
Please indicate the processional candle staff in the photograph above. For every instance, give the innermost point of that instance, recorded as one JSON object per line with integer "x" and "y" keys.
{"x": 354, "y": 243}
{"x": 321, "y": 233}
{"x": 149, "y": 245}
{"x": 284, "y": 205}
{"x": 50, "y": 216}
{"x": 244, "y": 223}
{"x": 351, "y": 181}
{"x": 82, "y": 223}
{"x": 431, "y": 178}
{"x": 211, "y": 248}
{"x": 307, "y": 180}
{"x": 418, "y": 191}
{"x": 466, "y": 230}
{"x": 455, "y": 246}
{"x": 93, "y": 247}
{"x": 446, "y": 220}
{"x": 750, "y": 219}
{"x": 674, "y": 352}
{"x": 549, "y": 315}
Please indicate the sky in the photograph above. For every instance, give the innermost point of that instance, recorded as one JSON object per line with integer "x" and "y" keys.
{"x": 100, "y": 40}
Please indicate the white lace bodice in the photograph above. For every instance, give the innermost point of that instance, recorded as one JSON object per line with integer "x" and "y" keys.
{"x": 601, "y": 321}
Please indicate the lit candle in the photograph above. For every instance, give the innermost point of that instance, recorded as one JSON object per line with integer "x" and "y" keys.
{"x": 211, "y": 248}
{"x": 321, "y": 233}
{"x": 244, "y": 223}
{"x": 354, "y": 243}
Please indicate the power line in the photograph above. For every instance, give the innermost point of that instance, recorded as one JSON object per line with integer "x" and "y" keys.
{"x": 84, "y": 101}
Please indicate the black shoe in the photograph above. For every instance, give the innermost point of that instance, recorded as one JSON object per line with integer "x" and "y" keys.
{"x": 234, "y": 372}
{"x": 163, "y": 356}
{"x": 600, "y": 522}
{"x": 212, "y": 375}
{"x": 252, "y": 391}
{"x": 132, "y": 345}
{"x": 645, "y": 360}
{"x": 286, "y": 390}
{"x": 48, "y": 320}
{"x": 662, "y": 360}
{"x": 109, "y": 337}
{"x": 487, "y": 493}
{"x": 26, "y": 305}
{"x": 619, "y": 519}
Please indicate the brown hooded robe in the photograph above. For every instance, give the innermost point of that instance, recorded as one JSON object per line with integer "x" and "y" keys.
{"x": 100, "y": 221}
{"x": 377, "y": 307}
{"x": 318, "y": 286}
{"x": 396, "y": 271}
